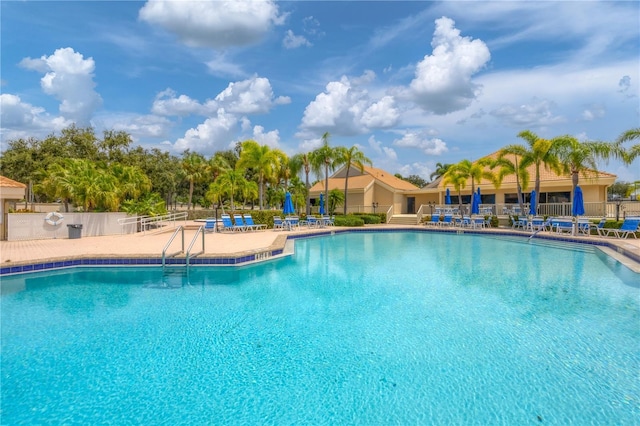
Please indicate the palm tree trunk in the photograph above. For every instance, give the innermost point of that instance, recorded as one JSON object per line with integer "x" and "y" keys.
{"x": 346, "y": 185}
{"x": 306, "y": 182}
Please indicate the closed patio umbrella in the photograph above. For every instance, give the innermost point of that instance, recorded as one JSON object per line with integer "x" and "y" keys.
{"x": 447, "y": 197}
{"x": 532, "y": 204}
{"x": 475, "y": 203}
{"x": 322, "y": 211}
{"x": 288, "y": 204}
{"x": 577, "y": 208}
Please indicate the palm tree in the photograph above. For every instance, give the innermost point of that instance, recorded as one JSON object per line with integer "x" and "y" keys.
{"x": 194, "y": 169}
{"x": 217, "y": 165}
{"x": 303, "y": 161}
{"x": 578, "y": 157}
{"x": 262, "y": 160}
{"x": 458, "y": 178}
{"x": 440, "y": 170}
{"x": 349, "y": 157}
{"x": 230, "y": 183}
{"x": 538, "y": 152}
{"x": 322, "y": 158}
{"x": 634, "y": 151}
{"x": 508, "y": 167}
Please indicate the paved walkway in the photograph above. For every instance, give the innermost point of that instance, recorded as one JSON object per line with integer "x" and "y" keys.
{"x": 216, "y": 244}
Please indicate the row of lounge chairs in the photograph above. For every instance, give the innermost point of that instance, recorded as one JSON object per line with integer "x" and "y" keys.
{"x": 294, "y": 222}
{"x": 630, "y": 226}
{"x": 460, "y": 221}
{"x": 583, "y": 226}
{"x": 240, "y": 223}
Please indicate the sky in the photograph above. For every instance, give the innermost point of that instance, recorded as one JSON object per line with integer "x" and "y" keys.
{"x": 410, "y": 83}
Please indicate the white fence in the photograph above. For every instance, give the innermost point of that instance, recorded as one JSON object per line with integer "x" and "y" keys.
{"x": 33, "y": 226}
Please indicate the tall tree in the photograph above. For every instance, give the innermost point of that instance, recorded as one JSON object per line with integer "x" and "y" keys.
{"x": 322, "y": 161}
{"x": 577, "y": 157}
{"x": 303, "y": 161}
{"x": 349, "y": 157}
{"x": 231, "y": 183}
{"x": 538, "y": 152}
{"x": 262, "y": 160}
{"x": 458, "y": 178}
{"x": 440, "y": 170}
{"x": 509, "y": 167}
{"x": 194, "y": 169}
{"x": 634, "y": 151}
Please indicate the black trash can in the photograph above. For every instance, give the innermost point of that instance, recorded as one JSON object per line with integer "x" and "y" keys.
{"x": 75, "y": 230}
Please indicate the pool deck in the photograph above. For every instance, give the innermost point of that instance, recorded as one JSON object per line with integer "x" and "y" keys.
{"x": 226, "y": 244}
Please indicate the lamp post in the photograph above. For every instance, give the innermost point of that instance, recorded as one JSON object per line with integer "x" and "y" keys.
{"x": 374, "y": 205}
{"x": 618, "y": 202}
{"x": 430, "y": 207}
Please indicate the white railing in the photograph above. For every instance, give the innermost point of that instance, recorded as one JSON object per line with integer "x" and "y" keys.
{"x": 597, "y": 209}
{"x": 148, "y": 222}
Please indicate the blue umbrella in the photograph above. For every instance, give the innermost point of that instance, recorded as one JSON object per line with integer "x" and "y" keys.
{"x": 288, "y": 204}
{"x": 475, "y": 203}
{"x": 447, "y": 197}
{"x": 577, "y": 209}
{"x": 322, "y": 203}
{"x": 532, "y": 203}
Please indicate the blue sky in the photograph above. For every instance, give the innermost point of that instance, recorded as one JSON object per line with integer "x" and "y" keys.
{"x": 411, "y": 83}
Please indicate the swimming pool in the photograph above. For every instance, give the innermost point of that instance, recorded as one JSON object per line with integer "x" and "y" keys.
{"x": 361, "y": 328}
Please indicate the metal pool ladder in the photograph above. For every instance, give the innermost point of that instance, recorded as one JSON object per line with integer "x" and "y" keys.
{"x": 189, "y": 255}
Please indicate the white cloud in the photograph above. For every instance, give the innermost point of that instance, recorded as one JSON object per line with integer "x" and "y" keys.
{"x": 215, "y": 24}
{"x": 166, "y": 103}
{"x": 215, "y": 134}
{"x": 421, "y": 141}
{"x": 252, "y": 96}
{"x": 347, "y": 109}
{"x": 138, "y": 126}
{"x": 271, "y": 139}
{"x": 292, "y": 41}
{"x": 68, "y": 78}
{"x": 22, "y": 120}
{"x": 593, "y": 112}
{"x": 536, "y": 113}
{"x": 442, "y": 82}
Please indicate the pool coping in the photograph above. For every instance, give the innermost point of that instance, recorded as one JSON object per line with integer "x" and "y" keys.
{"x": 281, "y": 248}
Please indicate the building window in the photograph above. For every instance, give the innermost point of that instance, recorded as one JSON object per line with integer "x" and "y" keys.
{"x": 557, "y": 197}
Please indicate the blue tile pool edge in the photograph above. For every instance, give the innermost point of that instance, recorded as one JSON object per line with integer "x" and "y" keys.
{"x": 244, "y": 259}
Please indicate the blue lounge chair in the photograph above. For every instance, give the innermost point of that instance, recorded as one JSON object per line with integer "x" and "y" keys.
{"x": 435, "y": 220}
{"x": 248, "y": 221}
{"x": 630, "y": 226}
{"x": 447, "y": 220}
{"x": 237, "y": 219}
{"x": 278, "y": 223}
{"x": 227, "y": 224}
{"x": 562, "y": 225}
{"x": 599, "y": 228}
{"x": 327, "y": 221}
{"x": 312, "y": 222}
{"x": 210, "y": 225}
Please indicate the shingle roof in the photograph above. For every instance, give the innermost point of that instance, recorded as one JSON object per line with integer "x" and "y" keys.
{"x": 362, "y": 181}
{"x": 10, "y": 183}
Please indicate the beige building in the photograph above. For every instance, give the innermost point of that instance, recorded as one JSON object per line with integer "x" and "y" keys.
{"x": 396, "y": 196}
{"x": 10, "y": 193}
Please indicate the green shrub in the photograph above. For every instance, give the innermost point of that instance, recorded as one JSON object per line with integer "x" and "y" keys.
{"x": 349, "y": 220}
{"x": 493, "y": 221}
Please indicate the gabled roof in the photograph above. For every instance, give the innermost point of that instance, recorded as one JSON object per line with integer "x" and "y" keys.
{"x": 5, "y": 182}
{"x": 361, "y": 181}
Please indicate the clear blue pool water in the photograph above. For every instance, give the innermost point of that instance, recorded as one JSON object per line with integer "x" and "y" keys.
{"x": 363, "y": 328}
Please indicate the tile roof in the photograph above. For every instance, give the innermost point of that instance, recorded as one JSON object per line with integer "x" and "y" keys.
{"x": 5, "y": 182}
